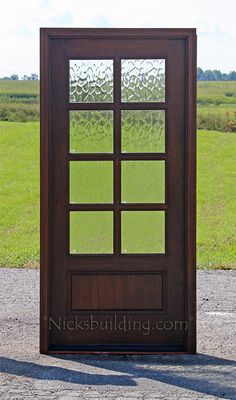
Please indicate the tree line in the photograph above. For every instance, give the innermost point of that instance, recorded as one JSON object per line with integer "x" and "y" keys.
{"x": 215, "y": 75}
{"x": 207, "y": 75}
{"x": 15, "y": 77}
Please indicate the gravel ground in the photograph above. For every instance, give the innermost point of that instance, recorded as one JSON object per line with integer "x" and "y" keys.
{"x": 25, "y": 374}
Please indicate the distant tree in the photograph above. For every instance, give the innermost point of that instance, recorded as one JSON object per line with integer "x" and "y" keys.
{"x": 31, "y": 77}
{"x": 34, "y": 77}
{"x": 200, "y": 74}
{"x": 224, "y": 77}
{"x": 232, "y": 76}
{"x": 209, "y": 75}
{"x": 215, "y": 75}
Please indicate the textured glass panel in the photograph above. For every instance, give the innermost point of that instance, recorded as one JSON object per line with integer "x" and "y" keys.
{"x": 91, "y": 131}
{"x": 91, "y": 81}
{"x": 143, "y": 80}
{"x": 143, "y": 181}
{"x": 143, "y": 232}
{"x": 91, "y": 182}
{"x": 91, "y": 232}
{"x": 143, "y": 131}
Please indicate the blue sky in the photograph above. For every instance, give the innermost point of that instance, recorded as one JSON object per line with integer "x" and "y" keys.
{"x": 20, "y": 21}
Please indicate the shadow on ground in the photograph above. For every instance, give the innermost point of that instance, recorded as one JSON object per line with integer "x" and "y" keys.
{"x": 201, "y": 373}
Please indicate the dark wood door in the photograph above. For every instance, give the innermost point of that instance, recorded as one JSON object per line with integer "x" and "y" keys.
{"x": 118, "y": 190}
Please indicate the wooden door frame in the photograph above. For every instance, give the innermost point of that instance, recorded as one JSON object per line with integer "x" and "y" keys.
{"x": 51, "y": 34}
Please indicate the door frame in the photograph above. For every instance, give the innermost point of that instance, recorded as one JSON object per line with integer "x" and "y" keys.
{"x": 51, "y": 34}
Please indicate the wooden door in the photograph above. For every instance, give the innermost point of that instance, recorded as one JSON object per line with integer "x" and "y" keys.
{"x": 118, "y": 190}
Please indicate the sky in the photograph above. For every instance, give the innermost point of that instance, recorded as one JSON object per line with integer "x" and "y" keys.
{"x": 20, "y": 21}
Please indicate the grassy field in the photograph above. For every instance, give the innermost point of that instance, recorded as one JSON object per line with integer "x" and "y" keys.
{"x": 220, "y": 109}
{"x": 206, "y": 90}
{"x": 216, "y": 200}
{"x": 19, "y": 87}
{"x": 19, "y": 164}
{"x": 216, "y": 92}
{"x": 19, "y": 211}
{"x": 19, "y": 101}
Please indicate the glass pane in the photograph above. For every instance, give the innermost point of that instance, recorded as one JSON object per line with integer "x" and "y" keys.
{"x": 91, "y": 232}
{"x": 143, "y": 232}
{"x": 143, "y": 80}
{"x": 143, "y": 181}
{"x": 91, "y": 182}
{"x": 91, "y": 131}
{"x": 143, "y": 131}
{"x": 91, "y": 81}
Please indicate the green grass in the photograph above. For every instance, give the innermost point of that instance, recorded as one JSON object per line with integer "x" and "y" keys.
{"x": 19, "y": 211}
{"x": 19, "y": 87}
{"x": 224, "y": 121}
{"x": 216, "y": 106}
{"x": 205, "y": 89}
{"x": 216, "y": 200}
{"x": 19, "y": 101}
{"x": 19, "y": 143}
{"x": 216, "y": 92}
{"x": 21, "y": 112}
{"x": 220, "y": 109}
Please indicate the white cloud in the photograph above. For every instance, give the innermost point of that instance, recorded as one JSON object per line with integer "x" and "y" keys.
{"x": 20, "y": 22}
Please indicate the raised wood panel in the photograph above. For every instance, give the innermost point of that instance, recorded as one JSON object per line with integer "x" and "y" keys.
{"x": 117, "y": 291}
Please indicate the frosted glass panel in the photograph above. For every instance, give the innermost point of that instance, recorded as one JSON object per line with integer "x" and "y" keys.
{"x": 143, "y": 181}
{"x": 143, "y": 131}
{"x": 91, "y": 232}
{"x": 91, "y": 81}
{"x": 91, "y": 182}
{"x": 142, "y": 232}
{"x": 91, "y": 131}
{"x": 143, "y": 80}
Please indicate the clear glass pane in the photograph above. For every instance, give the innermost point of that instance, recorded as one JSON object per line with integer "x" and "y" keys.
{"x": 91, "y": 81}
{"x": 91, "y": 182}
{"x": 143, "y": 131}
{"x": 143, "y": 232}
{"x": 143, "y": 80}
{"x": 91, "y": 131}
{"x": 143, "y": 181}
{"x": 91, "y": 232}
